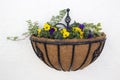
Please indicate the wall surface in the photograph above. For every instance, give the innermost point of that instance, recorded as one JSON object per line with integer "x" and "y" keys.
{"x": 18, "y": 60}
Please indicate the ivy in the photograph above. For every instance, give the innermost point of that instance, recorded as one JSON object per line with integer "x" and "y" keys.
{"x": 55, "y": 19}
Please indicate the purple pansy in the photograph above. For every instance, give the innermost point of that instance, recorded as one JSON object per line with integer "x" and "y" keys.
{"x": 81, "y": 26}
{"x": 51, "y": 31}
{"x": 90, "y": 35}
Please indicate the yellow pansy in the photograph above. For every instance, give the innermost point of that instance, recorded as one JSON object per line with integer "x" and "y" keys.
{"x": 63, "y": 30}
{"x": 76, "y": 29}
{"x": 38, "y": 30}
{"x": 46, "y": 27}
{"x": 66, "y": 34}
{"x": 81, "y": 34}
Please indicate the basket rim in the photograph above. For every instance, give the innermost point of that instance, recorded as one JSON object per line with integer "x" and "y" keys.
{"x": 68, "y": 41}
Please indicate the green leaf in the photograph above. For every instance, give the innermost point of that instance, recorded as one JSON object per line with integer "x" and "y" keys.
{"x": 15, "y": 38}
{"x": 99, "y": 24}
{"x": 55, "y": 19}
{"x": 8, "y": 37}
{"x": 26, "y": 33}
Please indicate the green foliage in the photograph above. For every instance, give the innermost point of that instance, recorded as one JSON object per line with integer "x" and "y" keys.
{"x": 13, "y": 38}
{"x": 94, "y": 29}
{"x": 32, "y": 30}
{"x": 57, "y": 35}
{"x": 32, "y": 27}
{"x": 75, "y": 24}
{"x": 45, "y": 34}
{"x": 55, "y": 19}
{"x": 88, "y": 30}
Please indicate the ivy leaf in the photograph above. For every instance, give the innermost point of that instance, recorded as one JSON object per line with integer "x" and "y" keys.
{"x": 15, "y": 38}
{"x": 99, "y": 24}
{"x": 8, "y": 37}
{"x": 56, "y": 19}
{"x": 26, "y": 33}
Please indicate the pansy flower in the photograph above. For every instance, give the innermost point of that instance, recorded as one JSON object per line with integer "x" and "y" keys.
{"x": 38, "y": 30}
{"x": 52, "y": 30}
{"x": 81, "y": 35}
{"x": 46, "y": 27}
{"x": 63, "y": 30}
{"x": 66, "y": 34}
{"x": 90, "y": 35}
{"x": 76, "y": 29}
{"x": 81, "y": 26}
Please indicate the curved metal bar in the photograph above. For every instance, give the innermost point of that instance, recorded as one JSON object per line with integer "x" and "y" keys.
{"x": 67, "y": 43}
{"x": 73, "y": 49}
{"x": 61, "y": 24}
{"x": 59, "y": 61}
{"x": 33, "y": 47}
{"x": 41, "y": 55}
{"x": 67, "y": 20}
{"x": 89, "y": 48}
{"x": 48, "y": 57}
{"x": 102, "y": 46}
{"x": 38, "y": 52}
{"x": 96, "y": 53}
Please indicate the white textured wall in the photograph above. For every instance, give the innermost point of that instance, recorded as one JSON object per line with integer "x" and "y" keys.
{"x": 19, "y": 62}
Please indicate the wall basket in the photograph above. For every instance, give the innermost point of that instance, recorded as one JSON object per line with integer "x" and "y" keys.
{"x": 68, "y": 54}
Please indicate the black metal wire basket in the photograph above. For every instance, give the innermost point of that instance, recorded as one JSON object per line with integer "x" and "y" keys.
{"x": 69, "y": 54}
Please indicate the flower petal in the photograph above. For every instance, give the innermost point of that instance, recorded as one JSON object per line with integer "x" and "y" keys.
{"x": 81, "y": 26}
